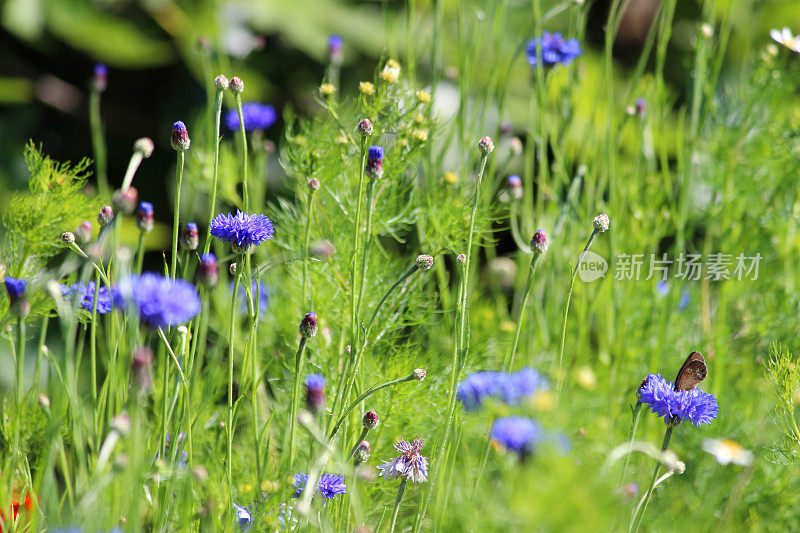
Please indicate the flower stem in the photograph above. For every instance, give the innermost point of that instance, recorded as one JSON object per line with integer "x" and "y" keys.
{"x": 18, "y": 384}
{"x": 400, "y": 491}
{"x": 93, "y": 341}
{"x": 640, "y": 514}
{"x": 176, "y": 214}
{"x": 133, "y": 166}
{"x": 309, "y": 216}
{"x": 213, "y": 201}
{"x": 361, "y": 437}
{"x": 231, "y": 331}
{"x": 566, "y": 306}
{"x": 140, "y": 253}
{"x": 298, "y": 369}
{"x": 509, "y": 362}
{"x": 245, "y": 192}
{"x": 98, "y": 142}
{"x": 637, "y": 410}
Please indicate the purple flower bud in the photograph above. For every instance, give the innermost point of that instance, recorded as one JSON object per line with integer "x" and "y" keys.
{"x": 189, "y": 238}
{"x": 236, "y": 85}
{"x": 84, "y": 232}
{"x": 374, "y": 166}
{"x": 539, "y": 242}
{"x": 208, "y": 271}
{"x": 105, "y": 216}
{"x": 365, "y": 127}
{"x": 315, "y": 393}
{"x": 486, "y": 146}
{"x": 100, "y": 77}
{"x": 515, "y": 186}
{"x": 361, "y": 454}
{"x": 221, "y": 83}
{"x": 370, "y": 420}
{"x": 125, "y": 201}
{"x": 313, "y": 184}
{"x": 641, "y": 106}
{"x": 141, "y": 363}
{"x": 180, "y": 137}
{"x": 335, "y": 47}
{"x": 308, "y": 326}
{"x": 144, "y": 217}
{"x": 17, "y": 290}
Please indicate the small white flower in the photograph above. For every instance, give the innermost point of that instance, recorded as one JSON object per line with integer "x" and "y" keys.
{"x": 727, "y": 451}
{"x": 785, "y": 37}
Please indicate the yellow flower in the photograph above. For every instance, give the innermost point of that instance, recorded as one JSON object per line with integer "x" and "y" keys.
{"x": 785, "y": 37}
{"x": 391, "y": 72}
{"x": 327, "y": 89}
{"x": 450, "y": 178}
{"x": 726, "y": 451}
{"x": 419, "y": 118}
{"x": 423, "y": 97}
{"x": 586, "y": 378}
{"x": 366, "y": 88}
{"x": 420, "y": 135}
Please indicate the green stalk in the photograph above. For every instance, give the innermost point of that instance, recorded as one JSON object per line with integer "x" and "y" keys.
{"x": 245, "y": 192}
{"x": 18, "y": 383}
{"x": 507, "y": 364}
{"x": 298, "y": 369}
{"x": 176, "y": 215}
{"x": 361, "y": 437}
{"x": 93, "y": 341}
{"x": 309, "y": 216}
{"x": 400, "y": 491}
{"x": 98, "y": 141}
{"x": 213, "y": 201}
{"x": 633, "y": 528}
{"x": 231, "y": 331}
{"x": 140, "y": 253}
{"x": 637, "y": 410}
{"x": 566, "y": 306}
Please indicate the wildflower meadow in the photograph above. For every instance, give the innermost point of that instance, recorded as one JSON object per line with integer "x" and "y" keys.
{"x": 433, "y": 265}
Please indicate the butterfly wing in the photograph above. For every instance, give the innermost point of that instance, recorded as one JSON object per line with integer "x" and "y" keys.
{"x": 691, "y": 373}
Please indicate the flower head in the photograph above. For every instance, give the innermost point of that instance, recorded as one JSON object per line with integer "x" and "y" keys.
{"x": 189, "y": 237}
{"x": 424, "y": 262}
{"x": 125, "y": 201}
{"x": 144, "y": 146}
{"x": 365, "y": 127}
{"x": 242, "y": 229}
{"x": 554, "y": 49}
{"x": 17, "y": 292}
{"x": 221, "y": 83}
{"x": 486, "y": 145}
{"x": 329, "y": 485}
{"x": 84, "y": 232}
{"x": 408, "y": 465}
{"x": 601, "y": 222}
{"x": 370, "y": 419}
{"x": 366, "y": 88}
{"x": 374, "y": 166}
{"x": 159, "y": 301}
{"x": 361, "y": 455}
{"x": 180, "y": 137}
{"x": 785, "y": 37}
{"x": 315, "y": 393}
{"x": 509, "y": 388}
{"x": 100, "y": 77}
{"x": 84, "y": 296}
{"x": 144, "y": 217}
{"x": 694, "y": 405}
{"x": 539, "y": 242}
{"x": 236, "y": 85}
{"x": 256, "y": 117}
{"x": 105, "y": 216}
{"x": 335, "y": 46}
{"x": 726, "y": 451}
{"x": 308, "y": 326}
{"x": 391, "y": 72}
{"x": 243, "y": 517}
{"x": 517, "y": 434}
{"x": 515, "y": 186}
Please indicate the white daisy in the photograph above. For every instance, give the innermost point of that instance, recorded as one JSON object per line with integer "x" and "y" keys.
{"x": 785, "y": 37}
{"x": 727, "y": 451}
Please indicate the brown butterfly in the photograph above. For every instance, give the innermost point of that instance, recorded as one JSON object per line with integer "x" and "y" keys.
{"x": 691, "y": 373}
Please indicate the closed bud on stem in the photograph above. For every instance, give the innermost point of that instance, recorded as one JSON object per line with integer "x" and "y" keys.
{"x": 100, "y": 77}
{"x": 221, "y": 83}
{"x": 374, "y": 167}
{"x": 601, "y": 222}
{"x": 125, "y": 201}
{"x": 144, "y": 146}
{"x": 68, "y": 238}
{"x": 362, "y": 452}
{"x": 308, "y": 326}
{"x": 365, "y": 127}
{"x": 180, "y": 137}
{"x": 335, "y": 49}
{"x": 144, "y": 217}
{"x": 486, "y": 146}
{"x": 315, "y": 393}
{"x": 105, "y": 216}
{"x": 419, "y": 374}
{"x": 424, "y": 262}
{"x": 539, "y": 242}
{"x": 189, "y": 239}
{"x": 461, "y": 259}
{"x": 370, "y": 420}
{"x": 44, "y": 402}
{"x": 208, "y": 271}
{"x": 236, "y": 85}
{"x": 515, "y": 187}
{"x": 84, "y": 232}
{"x": 313, "y": 184}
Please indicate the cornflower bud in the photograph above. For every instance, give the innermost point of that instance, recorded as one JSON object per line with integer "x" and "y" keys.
{"x": 313, "y": 184}
{"x": 236, "y": 85}
{"x": 221, "y": 83}
{"x": 180, "y": 137}
{"x": 308, "y": 326}
{"x": 208, "y": 271}
{"x": 84, "y": 232}
{"x": 144, "y": 217}
{"x": 335, "y": 49}
{"x": 419, "y": 374}
{"x": 105, "y": 216}
{"x": 125, "y": 201}
{"x": 601, "y": 222}
{"x": 424, "y": 262}
{"x": 17, "y": 290}
{"x": 370, "y": 420}
{"x": 361, "y": 454}
{"x": 189, "y": 239}
{"x": 315, "y": 393}
{"x": 144, "y": 146}
{"x": 515, "y": 186}
{"x": 486, "y": 146}
{"x": 68, "y": 238}
{"x": 374, "y": 167}
{"x": 539, "y": 242}
{"x": 365, "y": 127}
{"x": 100, "y": 77}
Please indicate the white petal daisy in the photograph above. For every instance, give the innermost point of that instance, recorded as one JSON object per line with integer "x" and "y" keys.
{"x": 727, "y": 451}
{"x": 785, "y": 37}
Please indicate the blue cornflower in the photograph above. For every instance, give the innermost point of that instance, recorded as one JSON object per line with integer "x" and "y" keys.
{"x": 84, "y": 296}
{"x": 242, "y": 230}
{"x": 329, "y": 485}
{"x": 315, "y": 392}
{"x": 410, "y": 464}
{"x": 256, "y": 117}
{"x": 554, "y": 49}
{"x": 509, "y": 388}
{"x": 374, "y": 167}
{"x": 180, "y": 137}
{"x": 694, "y": 405}
{"x": 243, "y": 517}
{"x": 335, "y": 47}
{"x": 516, "y": 433}
{"x": 260, "y": 292}
{"x": 16, "y": 288}
{"x": 159, "y": 301}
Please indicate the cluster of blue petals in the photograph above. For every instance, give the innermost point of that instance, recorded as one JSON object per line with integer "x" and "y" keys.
{"x": 329, "y": 485}
{"x": 555, "y": 49}
{"x": 509, "y": 388}
{"x": 694, "y": 405}
{"x": 84, "y": 296}
{"x": 159, "y": 301}
{"x": 256, "y": 117}
{"x": 242, "y": 229}
{"x": 516, "y": 433}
